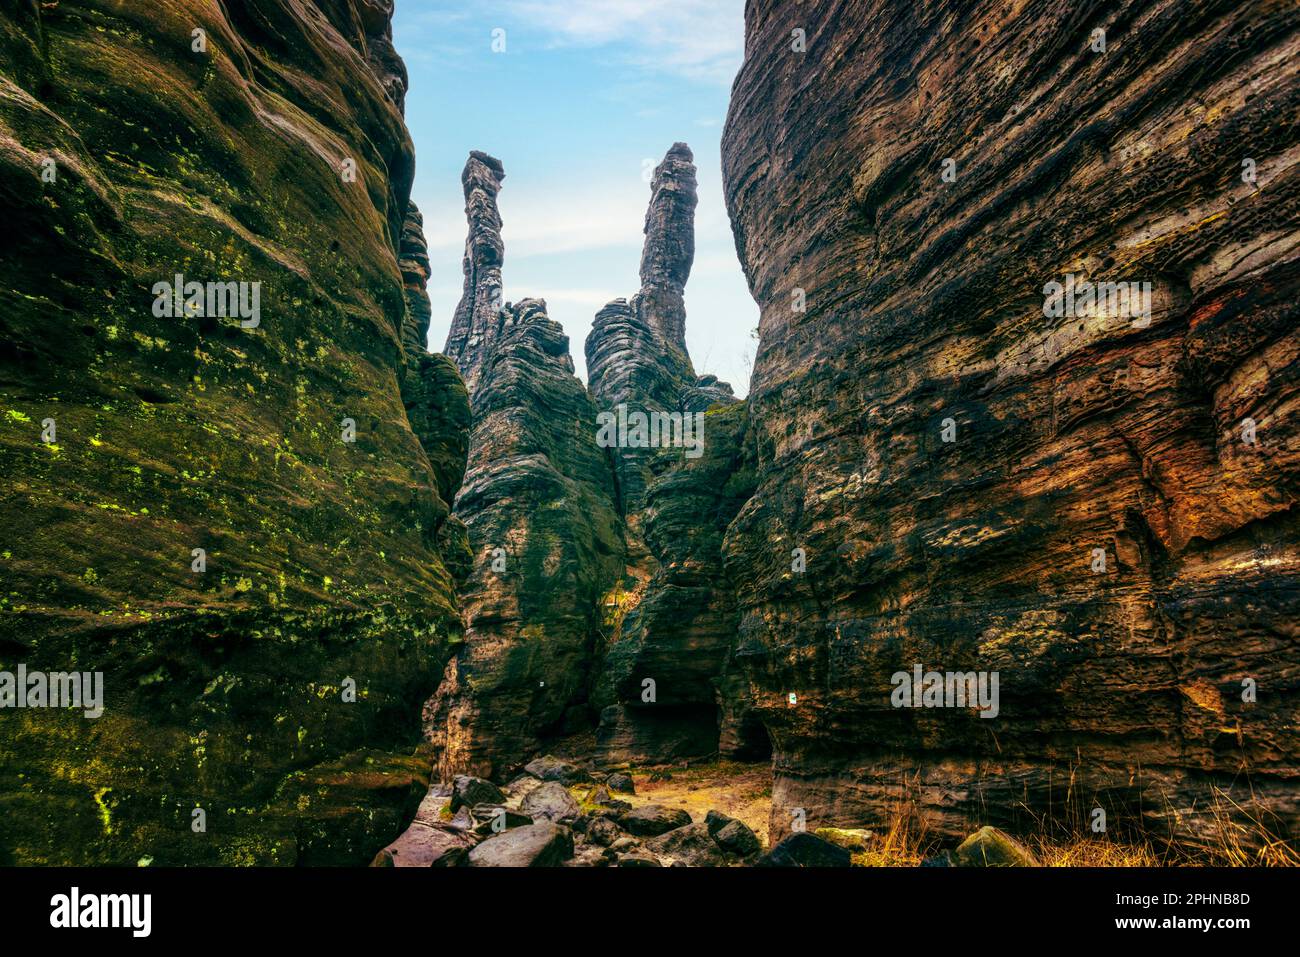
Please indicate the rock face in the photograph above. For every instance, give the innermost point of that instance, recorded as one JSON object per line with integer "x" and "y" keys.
{"x": 681, "y": 630}
{"x": 538, "y": 502}
{"x": 676, "y": 624}
{"x": 1096, "y": 507}
{"x": 588, "y": 580}
{"x": 636, "y": 351}
{"x": 269, "y": 149}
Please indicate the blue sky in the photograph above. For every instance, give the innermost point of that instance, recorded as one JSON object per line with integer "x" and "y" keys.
{"x": 585, "y": 93}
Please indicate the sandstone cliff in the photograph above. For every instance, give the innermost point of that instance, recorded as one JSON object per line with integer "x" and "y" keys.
{"x": 244, "y": 143}
{"x": 1099, "y": 509}
{"x": 676, "y": 623}
{"x": 570, "y": 606}
{"x": 538, "y": 502}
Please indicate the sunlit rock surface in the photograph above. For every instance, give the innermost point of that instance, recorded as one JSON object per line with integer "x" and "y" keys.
{"x": 1120, "y": 687}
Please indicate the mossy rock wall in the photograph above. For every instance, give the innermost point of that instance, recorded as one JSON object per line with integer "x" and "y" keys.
{"x": 224, "y": 689}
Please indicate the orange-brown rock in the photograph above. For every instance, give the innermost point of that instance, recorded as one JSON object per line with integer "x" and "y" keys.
{"x": 1099, "y": 508}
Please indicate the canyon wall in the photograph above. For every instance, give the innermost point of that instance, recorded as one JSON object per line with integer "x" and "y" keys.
{"x": 1098, "y": 507}
{"x": 235, "y": 519}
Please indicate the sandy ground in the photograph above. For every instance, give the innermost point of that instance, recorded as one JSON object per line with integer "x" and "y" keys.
{"x": 742, "y": 791}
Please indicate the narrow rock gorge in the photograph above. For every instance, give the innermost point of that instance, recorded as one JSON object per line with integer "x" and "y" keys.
{"x": 557, "y": 636}
{"x": 538, "y": 503}
{"x": 1023, "y": 410}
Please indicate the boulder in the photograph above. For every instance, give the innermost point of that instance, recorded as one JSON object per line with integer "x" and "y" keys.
{"x": 716, "y": 820}
{"x": 462, "y": 820}
{"x": 467, "y": 791}
{"x": 650, "y": 820}
{"x": 535, "y": 845}
{"x": 735, "y": 837}
{"x": 589, "y": 856}
{"x": 851, "y": 839}
{"x": 424, "y": 845}
{"x": 603, "y": 831}
{"x": 620, "y": 783}
{"x": 805, "y": 850}
{"x": 551, "y": 801}
{"x": 690, "y": 846}
{"x": 550, "y": 768}
{"x": 989, "y": 847}
{"x": 638, "y": 859}
{"x": 487, "y": 816}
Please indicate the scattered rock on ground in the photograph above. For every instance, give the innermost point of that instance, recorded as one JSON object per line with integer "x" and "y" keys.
{"x": 589, "y": 856}
{"x": 488, "y": 816}
{"x": 716, "y": 821}
{"x": 691, "y": 846}
{"x": 650, "y": 820}
{"x": 620, "y": 783}
{"x": 603, "y": 831}
{"x": 638, "y": 859}
{"x": 462, "y": 820}
{"x": 735, "y": 837}
{"x": 550, "y": 768}
{"x": 424, "y": 845}
{"x": 544, "y": 844}
{"x": 989, "y": 847}
{"x": 551, "y": 801}
{"x": 805, "y": 850}
{"x": 467, "y": 791}
{"x": 851, "y": 839}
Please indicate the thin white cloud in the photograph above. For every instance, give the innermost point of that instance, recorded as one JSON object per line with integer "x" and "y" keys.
{"x": 699, "y": 39}
{"x": 543, "y": 223}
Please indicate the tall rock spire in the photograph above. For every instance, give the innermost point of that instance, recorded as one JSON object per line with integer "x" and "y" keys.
{"x": 478, "y": 317}
{"x": 669, "y": 250}
{"x": 636, "y": 351}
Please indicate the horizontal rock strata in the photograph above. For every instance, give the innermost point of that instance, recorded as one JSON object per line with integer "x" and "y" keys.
{"x": 244, "y": 143}
{"x": 1100, "y": 506}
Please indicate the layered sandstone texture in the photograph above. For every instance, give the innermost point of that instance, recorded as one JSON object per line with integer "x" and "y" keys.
{"x": 636, "y": 351}
{"x": 254, "y": 142}
{"x": 538, "y": 501}
{"x": 677, "y": 629}
{"x": 1112, "y": 527}
{"x": 672, "y": 628}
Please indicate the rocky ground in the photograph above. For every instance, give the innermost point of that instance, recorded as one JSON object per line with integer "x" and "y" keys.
{"x": 704, "y": 814}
